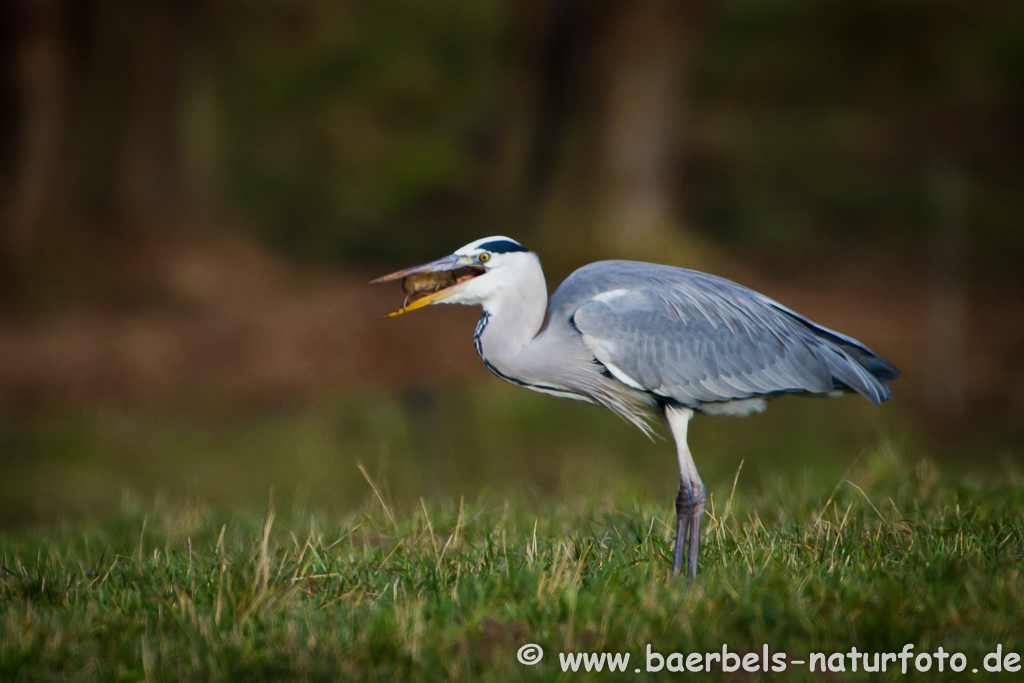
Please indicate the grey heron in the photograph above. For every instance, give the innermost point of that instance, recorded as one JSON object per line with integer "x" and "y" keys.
{"x": 639, "y": 338}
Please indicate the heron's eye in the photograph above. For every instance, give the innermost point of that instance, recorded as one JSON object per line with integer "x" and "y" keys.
{"x": 484, "y": 257}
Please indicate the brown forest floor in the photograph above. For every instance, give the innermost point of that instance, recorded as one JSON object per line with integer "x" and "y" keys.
{"x": 235, "y": 327}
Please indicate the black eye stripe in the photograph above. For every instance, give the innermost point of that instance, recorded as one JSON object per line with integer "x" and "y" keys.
{"x": 502, "y": 247}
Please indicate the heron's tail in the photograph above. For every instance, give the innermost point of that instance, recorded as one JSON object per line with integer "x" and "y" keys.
{"x": 880, "y": 368}
{"x": 853, "y": 366}
{"x": 858, "y": 370}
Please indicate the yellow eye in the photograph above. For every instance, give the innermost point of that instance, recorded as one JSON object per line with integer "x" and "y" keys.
{"x": 484, "y": 257}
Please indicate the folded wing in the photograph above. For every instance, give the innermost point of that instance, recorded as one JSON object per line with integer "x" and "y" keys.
{"x": 695, "y": 339}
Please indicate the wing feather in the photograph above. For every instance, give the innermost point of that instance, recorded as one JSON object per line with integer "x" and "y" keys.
{"x": 697, "y": 338}
{"x": 695, "y": 347}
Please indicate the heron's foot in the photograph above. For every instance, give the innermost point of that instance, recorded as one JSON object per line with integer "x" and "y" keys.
{"x": 689, "y": 517}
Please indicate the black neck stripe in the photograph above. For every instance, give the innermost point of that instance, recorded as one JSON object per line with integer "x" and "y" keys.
{"x": 478, "y": 343}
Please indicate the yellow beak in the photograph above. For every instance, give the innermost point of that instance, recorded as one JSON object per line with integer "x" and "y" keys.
{"x": 421, "y": 302}
{"x": 452, "y": 262}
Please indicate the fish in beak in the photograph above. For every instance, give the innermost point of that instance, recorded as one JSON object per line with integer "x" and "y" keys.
{"x": 432, "y": 282}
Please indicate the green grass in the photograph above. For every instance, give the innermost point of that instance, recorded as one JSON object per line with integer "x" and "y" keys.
{"x": 892, "y": 554}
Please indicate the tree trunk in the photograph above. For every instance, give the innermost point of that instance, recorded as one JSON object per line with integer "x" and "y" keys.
{"x": 97, "y": 100}
{"x": 41, "y": 66}
{"x": 644, "y": 53}
{"x": 147, "y": 183}
{"x": 539, "y": 101}
{"x": 592, "y": 130}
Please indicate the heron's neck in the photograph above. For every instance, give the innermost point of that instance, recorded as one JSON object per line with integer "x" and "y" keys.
{"x": 512, "y": 318}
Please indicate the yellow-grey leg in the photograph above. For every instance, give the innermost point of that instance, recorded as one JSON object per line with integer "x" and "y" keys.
{"x": 690, "y": 501}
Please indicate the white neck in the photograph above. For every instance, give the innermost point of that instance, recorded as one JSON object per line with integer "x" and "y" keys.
{"x": 513, "y": 314}
{"x": 511, "y": 344}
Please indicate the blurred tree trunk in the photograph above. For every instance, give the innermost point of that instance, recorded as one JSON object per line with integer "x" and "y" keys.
{"x": 147, "y": 180}
{"x": 644, "y": 48}
{"x": 593, "y": 122}
{"x": 97, "y": 99}
{"x": 542, "y": 87}
{"x": 40, "y": 62}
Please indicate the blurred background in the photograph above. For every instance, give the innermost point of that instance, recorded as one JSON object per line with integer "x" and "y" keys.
{"x": 193, "y": 194}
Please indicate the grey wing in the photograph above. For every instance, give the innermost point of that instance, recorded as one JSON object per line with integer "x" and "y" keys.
{"x": 700, "y": 340}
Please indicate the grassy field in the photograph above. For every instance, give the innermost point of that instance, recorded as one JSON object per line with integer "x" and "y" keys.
{"x": 893, "y": 553}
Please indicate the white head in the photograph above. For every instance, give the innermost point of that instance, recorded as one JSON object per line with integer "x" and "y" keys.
{"x": 485, "y": 272}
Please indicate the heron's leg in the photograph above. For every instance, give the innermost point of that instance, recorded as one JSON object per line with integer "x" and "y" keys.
{"x": 683, "y": 517}
{"x": 689, "y": 516}
{"x": 696, "y": 520}
{"x": 690, "y": 501}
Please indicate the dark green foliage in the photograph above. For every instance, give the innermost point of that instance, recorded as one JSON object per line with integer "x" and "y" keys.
{"x": 351, "y": 118}
{"x": 820, "y": 125}
{"x": 358, "y": 130}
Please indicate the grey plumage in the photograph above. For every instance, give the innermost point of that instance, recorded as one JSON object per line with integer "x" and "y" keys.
{"x": 642, "y": 338}
{"x": 697, "y": 339}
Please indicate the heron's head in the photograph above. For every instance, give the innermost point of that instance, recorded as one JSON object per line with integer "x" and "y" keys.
{"x": 474, "y": 274}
